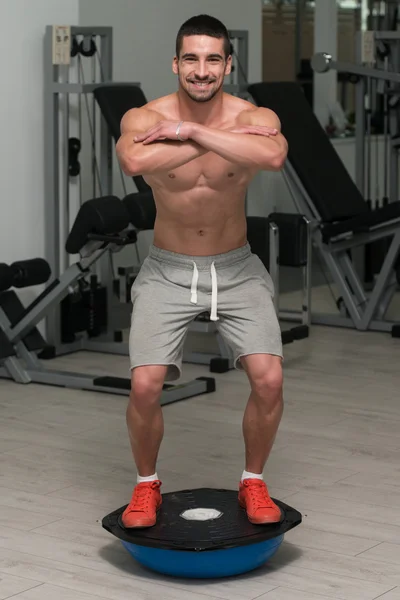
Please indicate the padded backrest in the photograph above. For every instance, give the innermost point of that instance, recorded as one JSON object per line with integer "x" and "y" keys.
{"x": 311, "y": 153}
{"x": 141, "y": 209}
{"x": 105, "y": 215}
{"x": 114, "y": 101}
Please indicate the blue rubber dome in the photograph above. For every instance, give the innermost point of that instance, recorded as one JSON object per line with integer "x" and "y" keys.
{"x": 203, "y": 533}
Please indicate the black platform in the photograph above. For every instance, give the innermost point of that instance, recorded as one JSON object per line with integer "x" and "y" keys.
{"x": 173, "y": 532}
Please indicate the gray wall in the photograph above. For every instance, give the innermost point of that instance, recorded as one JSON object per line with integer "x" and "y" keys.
{"x": 145, "y": 32}
{"x": 21, "y": 106}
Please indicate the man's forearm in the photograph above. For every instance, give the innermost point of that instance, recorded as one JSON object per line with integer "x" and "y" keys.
{"x": 140, "y": 159}
{"x": 248, "y": 150}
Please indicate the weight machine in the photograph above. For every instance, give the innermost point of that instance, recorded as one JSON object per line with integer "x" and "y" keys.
{"x": 377, "y": 123}
{"x": 377, "y": 77}
{"x": 68, "y": 92}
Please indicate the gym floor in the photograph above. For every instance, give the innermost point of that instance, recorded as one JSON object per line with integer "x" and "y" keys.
{"x": 65, "y": 463}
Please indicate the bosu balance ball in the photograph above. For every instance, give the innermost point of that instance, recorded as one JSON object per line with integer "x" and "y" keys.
{"x": 203, "y": 533}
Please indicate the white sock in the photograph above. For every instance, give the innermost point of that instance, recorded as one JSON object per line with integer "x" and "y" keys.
{"x": 149, "y": 478}
{"x": 248, "y": 475}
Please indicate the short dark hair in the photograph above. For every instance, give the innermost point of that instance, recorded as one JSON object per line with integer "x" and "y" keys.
{"x": 204, "y": 25}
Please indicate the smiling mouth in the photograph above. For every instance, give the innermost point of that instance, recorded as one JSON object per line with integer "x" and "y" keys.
{"x": 201, "y": 84}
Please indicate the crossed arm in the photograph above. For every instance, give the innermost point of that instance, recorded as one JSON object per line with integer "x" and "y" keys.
{"x": 149, "y": 144}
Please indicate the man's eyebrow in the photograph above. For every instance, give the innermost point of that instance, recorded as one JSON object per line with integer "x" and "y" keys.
{"x": 193, "y": 55}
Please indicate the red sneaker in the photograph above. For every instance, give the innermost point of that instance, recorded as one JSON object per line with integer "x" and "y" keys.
{"x": 254, "y": 497}
{"x": 142, "y": 509}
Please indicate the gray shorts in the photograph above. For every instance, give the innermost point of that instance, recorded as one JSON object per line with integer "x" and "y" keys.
{"x": 171, "y": 290}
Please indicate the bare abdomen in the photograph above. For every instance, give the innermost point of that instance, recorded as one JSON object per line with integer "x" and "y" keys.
{"x": 200, "y": 221}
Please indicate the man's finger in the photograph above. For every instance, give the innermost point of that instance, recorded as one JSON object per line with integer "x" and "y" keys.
{"x": 142, "y": 136}
{"x": 267, "y": 130}
{"x": 263, "y": 128}
{"x": 150, "y": 139}
{"x": 156, "y": 136}
{"x": 262, "y": 133}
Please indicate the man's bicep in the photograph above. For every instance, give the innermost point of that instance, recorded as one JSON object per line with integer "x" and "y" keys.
{"x": 264, "y": 117}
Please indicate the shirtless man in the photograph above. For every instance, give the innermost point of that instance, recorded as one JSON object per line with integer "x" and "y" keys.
{"x": 198, "y": 149}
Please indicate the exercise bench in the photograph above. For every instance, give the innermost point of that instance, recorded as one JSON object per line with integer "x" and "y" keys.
{"x": 102, "y": 225}
{"x": 341, "y": 220}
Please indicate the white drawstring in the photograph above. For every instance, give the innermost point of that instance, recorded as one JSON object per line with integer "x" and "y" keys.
{"x": 214, "y": 290}
{"x": 193, "y": 289}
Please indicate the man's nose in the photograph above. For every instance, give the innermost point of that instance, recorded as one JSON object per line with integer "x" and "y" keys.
{"x": 202, "y": 70}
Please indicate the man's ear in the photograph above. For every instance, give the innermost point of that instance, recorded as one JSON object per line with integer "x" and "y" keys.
{"x": 228, "y": 67}
{"x": 175, "y": 65}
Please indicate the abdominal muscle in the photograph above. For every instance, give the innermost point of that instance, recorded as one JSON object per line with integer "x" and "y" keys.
{"x": 197, "y": 215}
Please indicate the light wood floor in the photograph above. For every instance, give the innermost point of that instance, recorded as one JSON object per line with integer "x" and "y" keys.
{"x": 65, "y": 463}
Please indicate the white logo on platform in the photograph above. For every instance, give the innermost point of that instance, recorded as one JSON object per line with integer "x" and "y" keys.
{"x": 201, "y": 514}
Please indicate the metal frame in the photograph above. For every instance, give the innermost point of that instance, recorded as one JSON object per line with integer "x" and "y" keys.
{"x": 323, "y": 62}
{"x": 365, "y": 311}
{"x": 57, "y": 90}
{"x": 239, "y": 78}
{"x": 304, "y": 314}
{"x": 25, "y": 367}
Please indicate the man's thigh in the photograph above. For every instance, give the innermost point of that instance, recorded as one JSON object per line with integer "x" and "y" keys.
{"x": 161, "y": 315}
{"x": 247, "y": 317}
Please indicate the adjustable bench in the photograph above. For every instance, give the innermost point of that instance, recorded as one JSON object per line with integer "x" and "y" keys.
{"x": 323, "y": 190}
{"x": 102, "y": 225}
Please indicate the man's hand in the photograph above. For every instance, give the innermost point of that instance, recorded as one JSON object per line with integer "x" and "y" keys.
{"x": 164, "y": 130}
{"x": 261, "y": 150}
{"x": 146, "y": 158}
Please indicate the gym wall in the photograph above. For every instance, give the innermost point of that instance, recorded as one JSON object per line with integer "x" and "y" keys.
{"x": 145, "y": 32}
{"x": 21, "y": 105}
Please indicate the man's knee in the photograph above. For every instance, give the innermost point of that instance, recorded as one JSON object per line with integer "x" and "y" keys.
{"x": 267, "y": 380}
{"x": 147, "y": 384}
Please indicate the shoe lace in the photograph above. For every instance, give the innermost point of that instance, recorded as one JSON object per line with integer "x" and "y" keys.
{"x": 259, "y": 494}
{"x": 142, "y": 495}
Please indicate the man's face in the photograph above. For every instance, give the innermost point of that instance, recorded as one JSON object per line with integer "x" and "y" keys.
{"x": 201, "y": 66}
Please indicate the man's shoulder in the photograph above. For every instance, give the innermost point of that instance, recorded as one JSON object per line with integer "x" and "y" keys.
{"x": 247, "y": 111}
{"x": 258, "y": 115}
{"x": 162, "y": 105}
{"x": 150, "y": 113}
